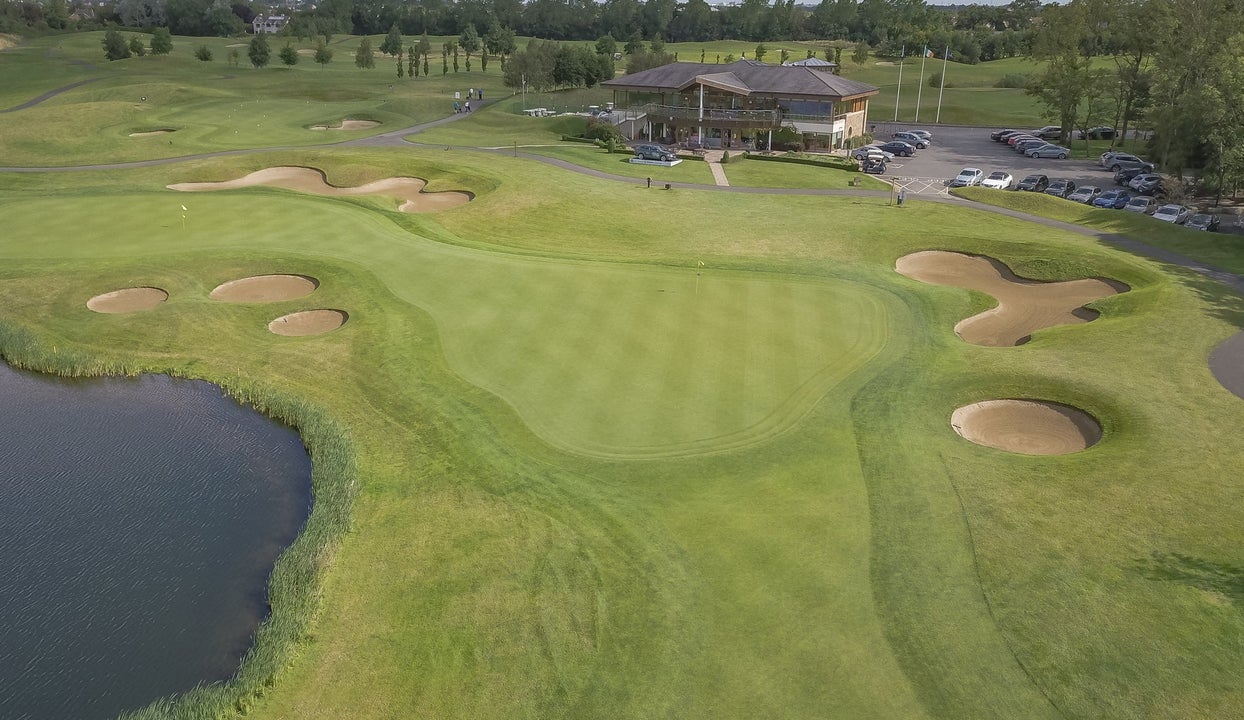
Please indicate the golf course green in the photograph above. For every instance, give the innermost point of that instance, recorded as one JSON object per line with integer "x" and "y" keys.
{"x": 586, "y": 449}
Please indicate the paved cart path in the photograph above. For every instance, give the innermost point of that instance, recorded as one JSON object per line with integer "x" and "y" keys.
{"x": 50, "y": 94}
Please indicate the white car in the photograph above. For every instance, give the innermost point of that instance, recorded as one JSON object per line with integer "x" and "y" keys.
{"x": 1177, "y": 214}
{"x": 998, "y": 180}
{"x": 967, "y": 177}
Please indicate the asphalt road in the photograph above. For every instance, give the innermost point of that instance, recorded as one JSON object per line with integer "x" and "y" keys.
{"x": 955, "y": 148}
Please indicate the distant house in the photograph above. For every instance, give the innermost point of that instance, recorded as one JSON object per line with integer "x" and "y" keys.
{"x": 269, "y": 23}
{"x": 814, "y": 63}
{"x": 740, "y": 104}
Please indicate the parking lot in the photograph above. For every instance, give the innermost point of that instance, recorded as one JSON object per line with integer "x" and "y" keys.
{"x": 954, "y": 148}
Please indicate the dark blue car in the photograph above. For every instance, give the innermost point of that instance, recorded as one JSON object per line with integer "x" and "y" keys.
{"x": 1113, "y": 199}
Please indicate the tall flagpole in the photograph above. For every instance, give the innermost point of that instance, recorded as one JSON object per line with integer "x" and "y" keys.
{"x": 899, "y": 93}
{"x": 945, "y": 56}
{"x": 923, "y": 56}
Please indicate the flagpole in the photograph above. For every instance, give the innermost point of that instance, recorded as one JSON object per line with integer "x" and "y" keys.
{"x": 899, "y": 93}
{"x": 920, "y": 88}
{"x": 945, "y": 56}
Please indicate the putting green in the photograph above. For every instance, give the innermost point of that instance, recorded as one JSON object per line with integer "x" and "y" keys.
{"x": 601, "y": 359}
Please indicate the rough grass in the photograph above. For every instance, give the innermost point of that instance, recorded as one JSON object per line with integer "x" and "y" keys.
{"x": 859, "y": 561}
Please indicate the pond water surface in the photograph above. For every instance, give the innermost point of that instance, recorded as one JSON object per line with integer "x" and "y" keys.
{"x": 139, "y": 521}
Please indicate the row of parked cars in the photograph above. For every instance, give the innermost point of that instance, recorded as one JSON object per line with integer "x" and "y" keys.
{"x": 1033, "y": 143}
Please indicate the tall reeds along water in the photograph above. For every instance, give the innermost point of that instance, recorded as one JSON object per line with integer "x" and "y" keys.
{"x": 139, "y": 521}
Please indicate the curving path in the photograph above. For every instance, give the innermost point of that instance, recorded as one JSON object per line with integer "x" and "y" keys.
{"x": 50, "y": 94}
{"x": 1228, "y": 357}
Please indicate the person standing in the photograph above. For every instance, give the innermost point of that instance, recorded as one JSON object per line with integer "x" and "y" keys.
{"x": 468, "y": 106}
{"x": 457, "y": 109}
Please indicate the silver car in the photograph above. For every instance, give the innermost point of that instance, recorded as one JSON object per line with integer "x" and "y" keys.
{"x": 1049, "y": 151}
{"x": 1141, "y": 204}
{"x": 1176, "y": 214}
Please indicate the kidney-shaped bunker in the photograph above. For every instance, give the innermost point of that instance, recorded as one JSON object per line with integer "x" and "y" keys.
{"x": 1030, "y": 427}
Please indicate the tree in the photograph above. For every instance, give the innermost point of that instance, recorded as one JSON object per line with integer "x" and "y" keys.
{"x": 444, "y": 59}
{"x": 658, "y": 44}
{"x": 606, "y": 45}
{"x": 761, "y": 51}
{"x": 234, "y": 55}
{"x": 470, "y": 43}
{"x": 412, "y": 61}
{"x": 259, "y": 52}
{"x": 136, "y": 46}
{"x": 1062, "y": 83}
{"x": 364, "y": 58}
{"x": 114, "y": 45}
{"x": 289, "y": 55}
{"x": 634, "y": 44}
{"x": 401, "y": 68}
{"x": 500, "y": 42}
{"x": 392, "y": 44}
{"x": 323, "y": 54}
{"x": 784, "y": 54}
{"x": 860, "y": 56}
{"x": 161, "y": 41}
{"x": 453, "y": 48}
{"x": 203, "y": 53}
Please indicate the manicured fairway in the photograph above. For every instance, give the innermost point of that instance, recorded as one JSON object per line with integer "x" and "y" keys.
{"x": 588, "y": 488}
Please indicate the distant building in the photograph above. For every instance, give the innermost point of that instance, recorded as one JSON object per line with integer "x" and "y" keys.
{"x": 812, "y": 62}
{"x": 740, "y": 104}
{"x": 269, "y": 23}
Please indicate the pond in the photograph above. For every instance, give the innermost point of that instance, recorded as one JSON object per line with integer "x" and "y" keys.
{"x": 140, "y": 519}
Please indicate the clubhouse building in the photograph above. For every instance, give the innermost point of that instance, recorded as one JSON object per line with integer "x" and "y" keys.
{"x": 741, "y": 104}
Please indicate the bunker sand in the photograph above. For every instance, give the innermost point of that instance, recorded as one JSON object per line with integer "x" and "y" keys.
{"x": 1030, "y": 427}
{"x": 348, "y": 125}
{"x": 1024, "y": 306}
{"x": 127, "y": 300}
{"x": 150, "y": 133}
{"x": 308, "y": 322}
{"x": 265, "y": 288}
{"x": 408, "y": 190}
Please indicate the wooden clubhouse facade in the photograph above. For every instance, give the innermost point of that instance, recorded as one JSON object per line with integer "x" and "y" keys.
{"x": 741, "y": 104}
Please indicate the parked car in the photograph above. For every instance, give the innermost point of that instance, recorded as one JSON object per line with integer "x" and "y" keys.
{"x": 1124, "y": 176}
{"x": 1061, "y": 188}
{"x": 1177, "y": 214}
{"x": 1023, "y": 146}
{"x": 1034, "y": 183}
{"x": 899, "y": 148}
{"x": 1085, "y": 194}
{"x": 922, "y": 133}
{"x": 1049, "y": 132}
{"x": 911, "y": 138}
{"x": 1124, "y": 161}
{"x": 873, "y": 166}
{"x": 998, "y": 180}
{"x": 999, "y": 135}
{"x": 871, "y": 152}
{"x": 1097, "y": 133}
{"x": 1006, "y": 136}
{"x": 967, "y": 177}
{"x": 1146, "y": 184}
{"x": 1020, "y": 137}
{"x": 1112, "y": 199}
{"x": 1049, "y": 151}
{"x": 1202, "y": 221}
{"x": 1141, "y": 204}
{"x": 654, "y": 152}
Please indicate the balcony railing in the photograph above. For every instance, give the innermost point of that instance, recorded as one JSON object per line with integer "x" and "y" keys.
{"x": 692, "y": 114}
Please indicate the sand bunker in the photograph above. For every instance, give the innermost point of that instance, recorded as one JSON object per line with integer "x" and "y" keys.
{"x": 265, "y": 288}
{"x": 127, "y": 300}
{"x": 308, "y": 322}
{"x": 1024, "y": 306}
{"x": 149, "y": 133}
{"x": 407, "y": 189}
{"x": 8, "y": 41}
{"x": 1030, "y": 427}
{"x": 348, "y": 125}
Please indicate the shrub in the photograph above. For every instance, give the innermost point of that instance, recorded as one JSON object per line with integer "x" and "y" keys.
{"x": 1012, "y": 80}
{"x": 602, "y": 130}
{"x": 203, "y": 53}
{"x": 935, "y": 80}
{"x": 137, "y": 48}
{"x": 725, "y": 157}
{"x": 858, "y": 141}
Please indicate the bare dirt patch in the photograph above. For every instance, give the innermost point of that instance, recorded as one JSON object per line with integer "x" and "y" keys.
{"x": 1029, "y": 427}
{"x": 408, "y": 190}
{"x": 265, "y": 288}
{"x": 1024, "y": 306}
{"x": 127, "y": 300}
{"x": 348, "y": 125}
{"x": 8, "y": 41}
{"x": 308, "y": 322}
{"x": 150, "y": 133}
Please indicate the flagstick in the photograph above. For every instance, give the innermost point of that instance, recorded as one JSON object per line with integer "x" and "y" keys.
{"x": 945, "y": 56}
{"x": 899, "y": 93}
{"x": 920, "y": 88}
